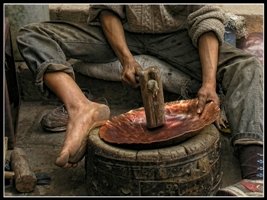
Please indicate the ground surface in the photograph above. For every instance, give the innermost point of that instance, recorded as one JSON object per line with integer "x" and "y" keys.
{"x": 42, "y": 147}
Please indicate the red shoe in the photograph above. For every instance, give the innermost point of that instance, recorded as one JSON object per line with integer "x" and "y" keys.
{"x": 244, "y": 188}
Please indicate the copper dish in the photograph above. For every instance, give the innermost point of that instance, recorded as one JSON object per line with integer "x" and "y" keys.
{"x": 182, "y": 122}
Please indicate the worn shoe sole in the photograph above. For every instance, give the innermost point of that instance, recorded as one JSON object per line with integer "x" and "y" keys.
{"x": 56, "y": 129}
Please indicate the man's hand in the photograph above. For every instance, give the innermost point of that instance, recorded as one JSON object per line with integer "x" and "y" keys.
{"x": 205, "y": 95}
{"x": 130, "y": 73}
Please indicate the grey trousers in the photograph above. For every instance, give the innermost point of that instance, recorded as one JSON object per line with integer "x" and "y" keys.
{"x": 47, "y": 46}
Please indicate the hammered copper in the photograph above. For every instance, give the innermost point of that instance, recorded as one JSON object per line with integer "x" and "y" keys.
{"x": 182, "y": 121}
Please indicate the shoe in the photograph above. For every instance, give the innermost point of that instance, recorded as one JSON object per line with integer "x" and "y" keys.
{"x": 57, "y": 119}
{"x": 244, "y": 188}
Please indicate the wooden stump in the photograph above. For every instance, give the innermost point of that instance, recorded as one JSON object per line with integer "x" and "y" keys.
{"x": 190, "y": 168}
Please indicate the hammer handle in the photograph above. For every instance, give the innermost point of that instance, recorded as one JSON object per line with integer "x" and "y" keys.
{"x": 25, "y": 179}
{"x": 153, "y": 98}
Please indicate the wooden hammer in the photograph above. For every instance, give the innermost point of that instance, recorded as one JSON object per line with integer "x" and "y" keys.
{"x": 25, "y": 179}
{"x": 152, "y": 96}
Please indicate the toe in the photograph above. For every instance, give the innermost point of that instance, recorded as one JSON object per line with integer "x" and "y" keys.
{"x": 62, "y": 159}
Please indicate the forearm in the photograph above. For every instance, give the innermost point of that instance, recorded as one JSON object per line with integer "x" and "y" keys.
{"x": 208, "y": 51}
{"x": 114, "y": 33}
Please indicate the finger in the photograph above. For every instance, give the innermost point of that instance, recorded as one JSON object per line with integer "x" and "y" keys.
{"x": 130, "y": 82}
{"x": 223, "y": 123}
{"x": 137, "y": 79}
{"x": 124, "y": 81}
{"x": 125, "y": 78}
{"x": 217, "y": 124}
{"x": 74, "y": 165}
{"x": 67, "y": 165}
{"x": 201, "y": 104}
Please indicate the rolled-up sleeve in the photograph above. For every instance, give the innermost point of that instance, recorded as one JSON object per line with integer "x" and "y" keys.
{"x": 207, "y": 18}
{"x": 94, "y": 11}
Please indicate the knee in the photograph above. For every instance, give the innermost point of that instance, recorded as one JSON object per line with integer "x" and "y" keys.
{"x": 246, "y": 72}
{"x": 250, "y": 70}
{"x": 27, "y": 32}
{"x": 251, "y": 64}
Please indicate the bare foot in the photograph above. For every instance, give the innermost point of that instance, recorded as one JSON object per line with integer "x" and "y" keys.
{"x": 81, "y": 122}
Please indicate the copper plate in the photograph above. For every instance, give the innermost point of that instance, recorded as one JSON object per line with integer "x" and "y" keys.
{"x": 182, "y": 121}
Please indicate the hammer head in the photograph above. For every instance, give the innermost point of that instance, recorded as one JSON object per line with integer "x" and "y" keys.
{"x": 152, "y": 96}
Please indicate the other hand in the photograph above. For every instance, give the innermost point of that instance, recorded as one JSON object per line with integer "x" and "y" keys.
{"x": 205, "y": 95}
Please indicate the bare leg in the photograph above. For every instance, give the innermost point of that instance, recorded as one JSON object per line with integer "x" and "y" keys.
{"x": 83, "y": 116}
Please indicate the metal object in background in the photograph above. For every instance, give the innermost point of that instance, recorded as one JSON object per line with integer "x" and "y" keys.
{"x": 12, "y": 95}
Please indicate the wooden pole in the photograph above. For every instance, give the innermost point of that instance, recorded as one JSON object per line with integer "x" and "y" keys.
{"x": 6, "y": 147}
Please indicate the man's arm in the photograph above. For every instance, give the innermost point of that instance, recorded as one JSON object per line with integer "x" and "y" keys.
{"x": 208, "y": 46}
{"x": 114, "y": 33}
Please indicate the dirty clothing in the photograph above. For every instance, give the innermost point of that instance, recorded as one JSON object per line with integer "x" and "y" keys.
{"x": 166, "y": 18}
{"x": 47, "y": 46}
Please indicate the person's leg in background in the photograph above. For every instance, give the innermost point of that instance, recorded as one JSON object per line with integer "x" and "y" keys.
{"x": 241, "y": 76}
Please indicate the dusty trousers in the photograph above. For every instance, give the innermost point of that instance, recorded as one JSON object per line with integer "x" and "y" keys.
{"x": 47, "y": 46}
